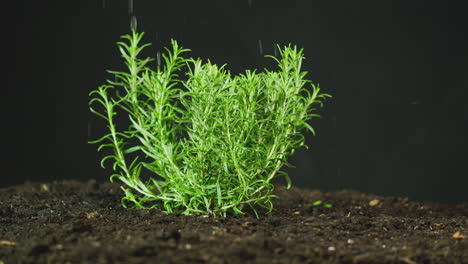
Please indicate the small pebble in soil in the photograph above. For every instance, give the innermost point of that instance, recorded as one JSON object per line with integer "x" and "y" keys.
{"x": 331, "y": 248}
{"x": 57, "y": 247}
{"x": 44, "y": 187}
{"x": 350, "y": 241}
{"x": 7, "y": 243}
{"x": 458, "y": 235}
{"x": 95, "y": 244}
{"x": 92, "y": 215}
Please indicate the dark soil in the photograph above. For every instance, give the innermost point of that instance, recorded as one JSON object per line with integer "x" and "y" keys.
{"x": 73, "y": 222}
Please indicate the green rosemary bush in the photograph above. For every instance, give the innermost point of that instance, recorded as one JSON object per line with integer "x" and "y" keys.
{"x": 213, "y": 141}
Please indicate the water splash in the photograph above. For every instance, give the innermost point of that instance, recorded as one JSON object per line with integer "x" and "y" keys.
{"x": 133, "y": 23}
{"x": 260, "y": 46}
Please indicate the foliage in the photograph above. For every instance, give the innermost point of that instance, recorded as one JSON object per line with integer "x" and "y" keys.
{"x": 319, "y": 202}
{"x": 212, "y": 142}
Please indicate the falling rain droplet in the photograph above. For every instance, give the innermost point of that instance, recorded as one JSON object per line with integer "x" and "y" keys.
{"x": 249, "y": 2}
{"x": 260, "y": 47}
{"x": 133, "y": 23}
{"x": 130, "y": 7}
{"x": 103, "y": 3}
{"x": 338, "y": 171}
{"x": 334, "y": 121}
{"x": 158, "y": 58}
{"x": 275, "y": 49}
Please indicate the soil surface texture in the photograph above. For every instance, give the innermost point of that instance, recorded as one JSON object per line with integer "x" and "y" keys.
{"x": 75, "y": 222}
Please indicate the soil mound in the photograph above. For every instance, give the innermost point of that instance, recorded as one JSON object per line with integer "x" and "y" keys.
{"x": 75, "y": 222}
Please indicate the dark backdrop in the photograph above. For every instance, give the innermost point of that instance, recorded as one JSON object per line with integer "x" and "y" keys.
{"x": 397, "y": 124}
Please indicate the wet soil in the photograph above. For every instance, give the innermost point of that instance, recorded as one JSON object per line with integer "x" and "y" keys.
{"x": 74, "y": 222}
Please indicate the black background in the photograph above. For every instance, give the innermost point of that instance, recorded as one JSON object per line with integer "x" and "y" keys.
{"x": 397, "y": 124}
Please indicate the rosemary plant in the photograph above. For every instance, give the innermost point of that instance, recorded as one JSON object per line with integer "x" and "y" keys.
{"x": 213, "y": 141}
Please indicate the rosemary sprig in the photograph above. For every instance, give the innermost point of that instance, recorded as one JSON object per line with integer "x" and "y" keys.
{"x": 213, "y": 141}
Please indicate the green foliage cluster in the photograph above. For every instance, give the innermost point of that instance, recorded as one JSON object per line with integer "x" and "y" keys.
{"x": 213, "y": 141}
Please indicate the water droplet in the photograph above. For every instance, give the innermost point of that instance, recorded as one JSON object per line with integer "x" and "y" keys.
{"x": 158, "y": 58}
{"x": 334, "y": 121}
{"x": 260, "y": 46}
{"x": 133, "y": 23}
{"x": 275, "y": 49}
{"x": 249, "y": 2}
{"x": 130, "y": 7}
